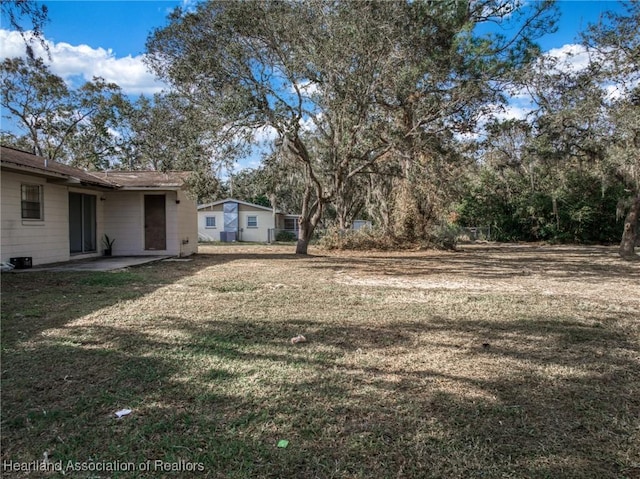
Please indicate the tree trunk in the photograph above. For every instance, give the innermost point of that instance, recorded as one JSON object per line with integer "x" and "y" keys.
{"x": 630, "y": 233}
{"x": 302, "y": 245}
{"x": 305, "y": 234}
{"x": 342, "y": 214}
{"x": 310, "y": 215}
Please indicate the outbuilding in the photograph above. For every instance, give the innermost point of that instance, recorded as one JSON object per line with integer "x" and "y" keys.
{"x": 236, "y": 220}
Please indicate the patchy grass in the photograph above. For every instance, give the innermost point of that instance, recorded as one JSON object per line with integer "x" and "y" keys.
{"x": 512, "y": 361}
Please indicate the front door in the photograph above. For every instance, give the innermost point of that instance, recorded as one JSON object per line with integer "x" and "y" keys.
{"x": 155, "y": 222}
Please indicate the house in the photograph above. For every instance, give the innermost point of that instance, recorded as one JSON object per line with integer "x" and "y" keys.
{"x": 235, "y": 220}
{"x": 53, "y": 212}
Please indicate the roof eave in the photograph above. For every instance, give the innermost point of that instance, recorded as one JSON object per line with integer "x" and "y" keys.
{"x": 55, "y": 177}
{"x": 150, "y": 188}
{"x": 8, "y": 165}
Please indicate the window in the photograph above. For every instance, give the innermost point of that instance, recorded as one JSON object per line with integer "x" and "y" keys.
{"x": 290, "y": 224}
{"x": 210, "y": 221}
{"x": 32, "y": 202}
{"x": 252, "y": 221}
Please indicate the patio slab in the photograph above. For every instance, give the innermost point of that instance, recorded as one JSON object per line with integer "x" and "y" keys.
{"x": 101, "y": 263}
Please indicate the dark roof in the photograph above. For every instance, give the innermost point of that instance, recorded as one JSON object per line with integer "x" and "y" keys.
{"x": 28, "y": 162}
{"x": 234, "y": 200}
{"x": 40, "y": 165}
{"x": 246, "y": 203}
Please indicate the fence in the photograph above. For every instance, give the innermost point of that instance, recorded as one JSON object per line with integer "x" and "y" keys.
{"x": 474, "y": 233}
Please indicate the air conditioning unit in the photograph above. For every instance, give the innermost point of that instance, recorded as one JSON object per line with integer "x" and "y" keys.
{"x": 227, "y": 236}
{"x": 23, "y": 262}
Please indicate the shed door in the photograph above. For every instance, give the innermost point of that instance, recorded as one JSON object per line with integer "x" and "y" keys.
{"x": 155, "y": 222}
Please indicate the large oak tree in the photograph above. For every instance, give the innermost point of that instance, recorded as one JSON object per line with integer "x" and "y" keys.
{"x": 345, "y": 85}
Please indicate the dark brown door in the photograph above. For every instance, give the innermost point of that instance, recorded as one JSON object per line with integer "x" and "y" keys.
{"x": 155, "y": 222}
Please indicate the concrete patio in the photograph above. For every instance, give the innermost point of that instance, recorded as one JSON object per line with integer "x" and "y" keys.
{"x": 102, "y": 263}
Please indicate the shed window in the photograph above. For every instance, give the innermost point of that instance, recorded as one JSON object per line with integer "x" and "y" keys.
{"x": 210, "y": 221}
{"x": 252, "y": 221}
{"x": 32, "y": 202}
{"x": 290, "y": 224}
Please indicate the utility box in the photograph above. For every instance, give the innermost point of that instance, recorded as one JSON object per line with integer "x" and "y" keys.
{"x": 227, "y": 236}
{"x": 23, "y": 262}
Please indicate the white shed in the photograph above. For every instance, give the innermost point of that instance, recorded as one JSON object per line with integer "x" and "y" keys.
{"x": 236, "y": 220}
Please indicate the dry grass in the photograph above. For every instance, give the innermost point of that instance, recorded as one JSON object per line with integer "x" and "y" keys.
{"x": 500, "y": 361}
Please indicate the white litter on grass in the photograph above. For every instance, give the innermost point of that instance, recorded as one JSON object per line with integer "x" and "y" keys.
{"x": 298, "y": 339}
{"x": 123, "y": 412}
{"x": 6, "y": 267}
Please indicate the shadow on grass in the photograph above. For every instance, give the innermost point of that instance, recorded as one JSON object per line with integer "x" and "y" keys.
{"x": 35, "y": 301}
{"x": 544, "y": 415}
{"x": 437, "y": 398}
{"x": 589, "y": 264}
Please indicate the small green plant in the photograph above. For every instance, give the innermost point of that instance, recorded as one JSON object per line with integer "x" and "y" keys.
{"x": 108, "y": 245}
{"x": 444, "y": 235}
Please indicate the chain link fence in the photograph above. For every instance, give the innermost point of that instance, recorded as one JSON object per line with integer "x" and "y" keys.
{"x": 473, "y": 233}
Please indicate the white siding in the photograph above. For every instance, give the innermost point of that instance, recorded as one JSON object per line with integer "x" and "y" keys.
{"x": 174, "y": 240}
{"x": 206, "y": 233}
{"x": 188, "y": 224}
{"x": 124, "y": 221}
{"x": 258, "y": 234}
{"x": 46, "y": 240}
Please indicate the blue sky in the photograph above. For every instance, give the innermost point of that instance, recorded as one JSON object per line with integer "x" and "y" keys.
{"x": 123, "y": 26}
{"x": 107, "y": 38}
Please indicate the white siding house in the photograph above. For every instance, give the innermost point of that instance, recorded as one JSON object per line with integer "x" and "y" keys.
{"x": 52, "y": 212}
{"x": 236, "y": 220}
{"x": 170, "y": 228}
{"x": 45, "y": 238}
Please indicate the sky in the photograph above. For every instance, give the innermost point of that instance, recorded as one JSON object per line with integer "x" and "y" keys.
{"x": 106, "y": 38}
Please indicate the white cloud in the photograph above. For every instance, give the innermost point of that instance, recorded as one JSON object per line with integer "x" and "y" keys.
{"x": 511, "y": 111}
{"x": 189, "y": 5}
{"x": 266, "y": 134}
{"x": 570, "y": 57}
{"x": 69, "y": 61}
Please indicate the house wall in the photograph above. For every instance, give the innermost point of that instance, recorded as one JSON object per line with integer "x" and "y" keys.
{"x": 187, "y": 224}
{"x": 210, "y": 233}
{"x": 46, "y": 240}
{"x": 256, "y": 234}
{"x": 259, "y": 233}
{"x": 124, "y": 221}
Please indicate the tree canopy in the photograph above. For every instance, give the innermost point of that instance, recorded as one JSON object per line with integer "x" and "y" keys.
{"x": 345, "y": 86}
{"x": 379, "y": 110}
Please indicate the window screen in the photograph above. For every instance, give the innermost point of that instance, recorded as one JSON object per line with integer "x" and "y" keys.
{"x": 32, "y": 202}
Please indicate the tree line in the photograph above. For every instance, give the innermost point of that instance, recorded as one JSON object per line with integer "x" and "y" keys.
{"x": 377, "y": 110}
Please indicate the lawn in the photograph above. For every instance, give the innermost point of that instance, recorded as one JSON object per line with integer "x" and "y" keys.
{"x": 498, "y": 361}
